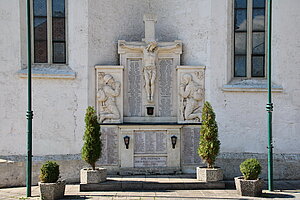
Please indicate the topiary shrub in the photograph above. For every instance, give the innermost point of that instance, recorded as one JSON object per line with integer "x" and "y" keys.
{"x": 49, "y": 172}
{"x": 91, "y": 150}
{"x": 209, "y": 145}
{"x": 250, "y": 168}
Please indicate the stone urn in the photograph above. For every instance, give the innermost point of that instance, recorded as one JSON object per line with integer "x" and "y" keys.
{"x": 251, "y": 188}
{"x": 52, "y": 191}
{"x": 88, "y": 175}
{"x": 209, "y": 174}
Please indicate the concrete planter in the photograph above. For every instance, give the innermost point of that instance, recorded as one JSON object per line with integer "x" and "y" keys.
{"x": 209, "y": 174}
{"x": 52, "y": 191}
{"x": 88, "y": 175}
{"x": 251, "y": 188}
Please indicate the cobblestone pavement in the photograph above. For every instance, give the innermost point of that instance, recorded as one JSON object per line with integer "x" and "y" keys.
{"x": 289, "y": 190}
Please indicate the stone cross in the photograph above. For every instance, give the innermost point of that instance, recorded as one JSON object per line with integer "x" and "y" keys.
{"x": 150, "y": 49}
{"x": 150, "y": 21}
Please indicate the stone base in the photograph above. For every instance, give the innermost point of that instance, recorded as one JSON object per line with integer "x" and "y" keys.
{"x": 52, "y": 191}
{"x": 209, "y": 174}
{"x": 93, "y": 176}
{"x": 148, "y": 182}
{"x": 251, "y": 188}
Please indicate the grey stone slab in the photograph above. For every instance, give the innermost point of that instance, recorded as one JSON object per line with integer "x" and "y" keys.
{"x": 190, "y": 144}
{"x": 106, "y": 186}
{"x": 110, "y": 144}
{"x": 132, "y": 185}
{"x": 156, "y": 186}
{"x": 204, "y": 185}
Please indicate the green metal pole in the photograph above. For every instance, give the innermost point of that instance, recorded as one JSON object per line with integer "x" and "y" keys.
{"x": 29, "y": 114}
{"x": 269, "y": 106}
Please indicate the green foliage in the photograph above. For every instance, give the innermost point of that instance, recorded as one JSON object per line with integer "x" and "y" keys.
{"x": 250, "y": 168}
{"x": 49, "y": 172}
{"x": 91, "y": 150}
{"x": 209, "y": 145}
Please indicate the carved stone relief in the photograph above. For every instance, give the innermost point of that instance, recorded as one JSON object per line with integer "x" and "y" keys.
{"x": 192, "y": 95}
{"x": 108, "y": 90}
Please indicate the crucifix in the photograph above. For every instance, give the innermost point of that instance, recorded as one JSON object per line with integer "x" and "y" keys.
{"x": 150, "y": 49}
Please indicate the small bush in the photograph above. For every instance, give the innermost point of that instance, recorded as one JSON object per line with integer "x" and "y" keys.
{"x": 91, "y": 150}
{"x": 49, "y": 172}
{"x": 209, "y": 145}
{"x": 250, "y": 168}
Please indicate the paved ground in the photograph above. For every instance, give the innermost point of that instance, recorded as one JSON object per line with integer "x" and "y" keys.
{"x": 283, "y": 190}
{"x": 289, "y": 190}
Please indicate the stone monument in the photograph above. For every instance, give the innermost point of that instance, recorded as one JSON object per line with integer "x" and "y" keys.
{"x": 149, "y": 99}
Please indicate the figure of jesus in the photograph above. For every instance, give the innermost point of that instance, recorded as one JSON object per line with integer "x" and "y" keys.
{"x": 150, "y": 52}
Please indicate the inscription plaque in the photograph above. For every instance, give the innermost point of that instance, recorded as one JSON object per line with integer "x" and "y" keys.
{"x": 191, "y": 138}
{"x": 109, "y": 139}
{"x": 150, "y": 161}
{"x": 154, "y": 142}
{"x": 165, "y": 87}
{"x": 134, "y": 88}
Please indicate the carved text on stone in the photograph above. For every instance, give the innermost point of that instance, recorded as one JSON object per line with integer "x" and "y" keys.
{"x": 134, "y": 88}
{"x": 165, "y": 87}
{"x": 190, "y": 138}
{"x": 109, "y": 138}
{"x": 150, "y": 161}
{"x": 154, "y": 142}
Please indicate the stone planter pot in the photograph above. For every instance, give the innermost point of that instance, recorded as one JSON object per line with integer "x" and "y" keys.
{"x": 209, "y": 174}
{"x": 52, "y": 191}
{"x": 251, "y": 188}
{"x": 87, "y": 175}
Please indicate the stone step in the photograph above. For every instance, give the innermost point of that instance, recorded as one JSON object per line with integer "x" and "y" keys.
{"x": 131, "y": 183}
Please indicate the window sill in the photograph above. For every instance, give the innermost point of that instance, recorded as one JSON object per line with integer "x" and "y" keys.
{"x": 49, "y": 73}
{"x": 250, "y": 85}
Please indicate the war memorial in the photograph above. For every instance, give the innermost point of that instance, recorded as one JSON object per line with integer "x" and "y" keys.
{"x": 147, "y": 67}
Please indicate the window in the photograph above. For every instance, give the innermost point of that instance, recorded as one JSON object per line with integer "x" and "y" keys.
{"x": 249, "y": 38}
{"x": 49, "y": 31}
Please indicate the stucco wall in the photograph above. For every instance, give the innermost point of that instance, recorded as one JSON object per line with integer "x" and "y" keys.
{"x": 241, "y": 115}
{"x": 58, "y": 104}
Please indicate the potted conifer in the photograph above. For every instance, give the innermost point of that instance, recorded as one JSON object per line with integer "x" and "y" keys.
{"x": 209, "y": 146}
{"x": 249, "y": 184}
{"x": 91, "y": 150}
{"x": 50, "y": 187}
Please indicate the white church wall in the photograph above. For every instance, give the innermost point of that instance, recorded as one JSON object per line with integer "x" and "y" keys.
{"x": 241, "y": 115}
{"x": 12, "y": 128}
{"x": 58, "y": 104}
